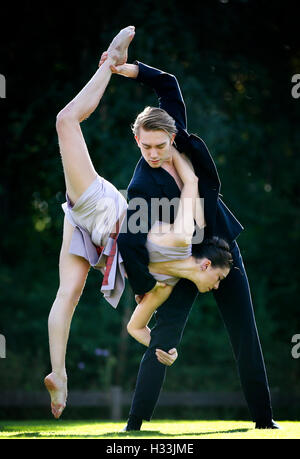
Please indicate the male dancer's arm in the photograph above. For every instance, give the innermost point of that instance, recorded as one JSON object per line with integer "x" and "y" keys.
{"x": 167, "y": 90}
{"x": 132, "y": 244}
{"x": 170, "y": 99}
{"x": 168, "y": 93}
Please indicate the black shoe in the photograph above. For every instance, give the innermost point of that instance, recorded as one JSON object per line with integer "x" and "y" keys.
{"x": 128, "y": 429}
{"x": 267, "y": 425}
{"x": 133, "y": 423}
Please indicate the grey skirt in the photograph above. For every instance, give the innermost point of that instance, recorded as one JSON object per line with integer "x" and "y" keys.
{"x": 94, "y": 217}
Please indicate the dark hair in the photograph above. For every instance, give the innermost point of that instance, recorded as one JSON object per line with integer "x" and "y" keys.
{"x": 217, "y": 251}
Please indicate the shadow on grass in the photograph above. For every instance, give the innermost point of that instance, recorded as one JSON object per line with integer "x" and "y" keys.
{"x": 148, "y": 433}
{"x": 122, "y": 435}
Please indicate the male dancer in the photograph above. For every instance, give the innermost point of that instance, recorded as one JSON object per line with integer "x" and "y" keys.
{"x": 233, "y": 296}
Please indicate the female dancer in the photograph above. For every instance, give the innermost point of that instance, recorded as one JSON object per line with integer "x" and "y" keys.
{"x": 92, "y": 222}
{"x": 170, "y": 253}
{"x": 88, "y": 221}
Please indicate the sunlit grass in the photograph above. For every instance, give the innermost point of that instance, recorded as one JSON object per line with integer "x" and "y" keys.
{"x": 154, "y": 429}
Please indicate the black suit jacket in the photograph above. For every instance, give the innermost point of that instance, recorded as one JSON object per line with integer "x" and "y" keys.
{"x": 148, "y": 182}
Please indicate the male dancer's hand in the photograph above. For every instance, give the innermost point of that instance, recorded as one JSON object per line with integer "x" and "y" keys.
{"x": 127, "y": 70}
{"x": 138, "y": 298}
{"x": 167, "y": 358}
{"x": 158, "y": 285}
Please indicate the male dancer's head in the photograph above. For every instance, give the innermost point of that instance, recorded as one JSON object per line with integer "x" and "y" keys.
{"x": 154, "y": 131}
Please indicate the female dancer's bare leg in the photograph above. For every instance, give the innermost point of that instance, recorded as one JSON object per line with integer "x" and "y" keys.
{"x": 79, "y": 174}
{"x": 73, "y": 272}
{"x": 78, "y": 168}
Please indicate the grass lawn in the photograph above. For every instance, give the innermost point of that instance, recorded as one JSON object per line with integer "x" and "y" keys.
{"x": 155, "y": 429}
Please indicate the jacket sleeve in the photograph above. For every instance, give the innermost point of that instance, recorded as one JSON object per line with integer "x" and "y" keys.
{"x": 132, "y": 244}
{"x": 169, "y": 96}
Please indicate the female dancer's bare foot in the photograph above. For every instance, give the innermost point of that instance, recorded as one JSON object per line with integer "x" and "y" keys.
{"x": 118, "y": 48}
{"x": 57, "y": 388}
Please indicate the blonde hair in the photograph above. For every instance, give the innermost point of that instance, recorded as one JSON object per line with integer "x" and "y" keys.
{"x": 154, "y": 119}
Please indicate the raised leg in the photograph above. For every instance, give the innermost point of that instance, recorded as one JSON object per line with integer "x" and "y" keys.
{"x": 73, "y": 272}
{"x": 78, "y": 168}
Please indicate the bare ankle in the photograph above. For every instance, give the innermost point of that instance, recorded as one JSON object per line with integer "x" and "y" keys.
{"x": 112, "y": 58}
{"x": 60, "y": 374}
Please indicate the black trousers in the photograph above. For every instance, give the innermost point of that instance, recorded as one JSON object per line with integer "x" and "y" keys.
{"x": 233, "y": 298}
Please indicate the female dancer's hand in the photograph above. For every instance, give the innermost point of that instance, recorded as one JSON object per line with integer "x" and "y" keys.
{"x": 127, "y": 70}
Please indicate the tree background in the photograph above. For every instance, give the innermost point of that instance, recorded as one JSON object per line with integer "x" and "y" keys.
{"x": 234, "y": 61}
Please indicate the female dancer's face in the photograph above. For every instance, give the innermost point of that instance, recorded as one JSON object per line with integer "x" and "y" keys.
{"x": 209, "y": 278}
{"x": 155, "y": 146}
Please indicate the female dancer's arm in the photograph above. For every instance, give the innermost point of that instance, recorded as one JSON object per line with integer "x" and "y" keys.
{"x": 137, "y": 326}
{"x": 190, "y": 207}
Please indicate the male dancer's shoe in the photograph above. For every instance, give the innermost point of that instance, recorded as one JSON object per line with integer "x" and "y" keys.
{"x": 133, "y": 423}
{"x": 267, "y": 425}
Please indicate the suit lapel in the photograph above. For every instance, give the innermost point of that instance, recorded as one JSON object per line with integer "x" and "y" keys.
{"x": 164, "y": 180}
